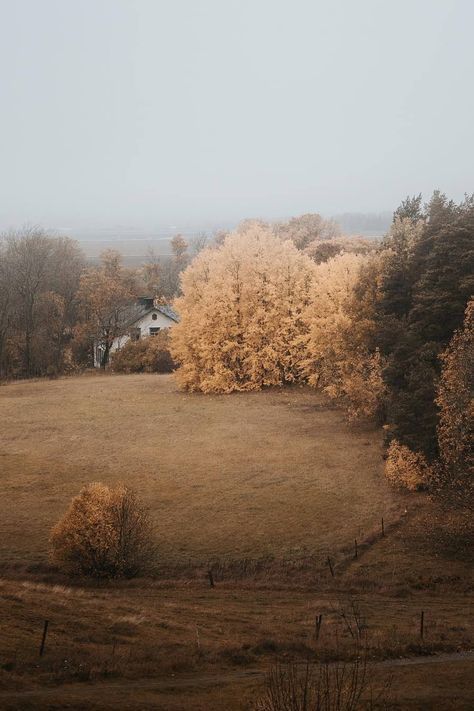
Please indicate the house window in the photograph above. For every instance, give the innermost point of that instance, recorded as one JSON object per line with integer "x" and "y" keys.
{"x": 154, "y": 330}
{"x": 154, "y": 316}
{"x": 135, "y": 334}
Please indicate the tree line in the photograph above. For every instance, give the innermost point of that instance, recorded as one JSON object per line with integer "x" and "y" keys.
{"x": 53, "y": 305}
{"x": 385, "y": 331}
{"x": 385, "y": 328}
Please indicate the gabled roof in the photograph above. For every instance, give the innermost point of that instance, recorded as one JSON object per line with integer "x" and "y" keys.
{"x": 139, "y": 309}
{"x": 167, "y": 311}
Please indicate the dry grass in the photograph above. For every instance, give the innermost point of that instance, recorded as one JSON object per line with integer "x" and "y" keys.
{"x": 179, "y": 643}
{"x": 236, "y": 476}
{"x": 277, "y": 472}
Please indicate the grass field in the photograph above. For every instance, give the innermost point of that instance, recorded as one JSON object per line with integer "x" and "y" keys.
{"x": 245, "y": 475}
{"x": 277, "y": 473}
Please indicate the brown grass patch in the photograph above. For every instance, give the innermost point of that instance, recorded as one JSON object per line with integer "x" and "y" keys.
{"x": 276, "y": 473}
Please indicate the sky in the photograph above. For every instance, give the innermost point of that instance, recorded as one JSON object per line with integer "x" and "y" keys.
{"x": 154, "y": 113}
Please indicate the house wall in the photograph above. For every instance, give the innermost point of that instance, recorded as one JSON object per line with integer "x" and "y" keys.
{"x": 144, "y": 324}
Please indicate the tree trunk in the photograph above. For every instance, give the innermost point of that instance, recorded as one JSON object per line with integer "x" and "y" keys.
{"x": 105, "y": 355}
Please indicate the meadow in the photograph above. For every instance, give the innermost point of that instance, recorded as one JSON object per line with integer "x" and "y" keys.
{"x": 277, "y": 473}
{"x": 261, "y": 488}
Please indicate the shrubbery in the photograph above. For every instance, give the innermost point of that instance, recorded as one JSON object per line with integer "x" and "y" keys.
{"x": 147, "y": 355}
{"x": 405, "y": 468}
{"x": 105, "y": 533}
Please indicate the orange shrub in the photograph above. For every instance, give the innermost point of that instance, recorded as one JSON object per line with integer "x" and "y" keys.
{"x": 148, "y": 355}
{"x": 105, "y": 533}
{"x": 405, "y": 468}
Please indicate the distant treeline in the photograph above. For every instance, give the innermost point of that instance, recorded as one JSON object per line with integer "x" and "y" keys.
{"x": 54, "y": 306}
{"x": 365, "y": 223}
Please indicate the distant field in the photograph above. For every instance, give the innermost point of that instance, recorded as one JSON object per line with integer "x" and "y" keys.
{"x": 134, "y": 251}
{"x": 244, "y": 475}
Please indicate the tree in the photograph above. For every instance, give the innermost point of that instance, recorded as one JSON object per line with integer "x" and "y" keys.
{"x": 322, "y": 250}
{"x": 104, "y": 295}
{"x": 161, "y": 276}
{"x": 339, "y": 353}
{"x": 410, "y": 208}
{"x": 36, "y": 268}
{"x": 426, "y": 280}
{"x": 30, "y": 252}
{"x": 199, "y": 242}
{"x": 455, "y": 401}
{"x": 305, "y": 229}
{"x": 105, "y": 533}
{"x": 152, "y": 272}
{"x": 242, "y": 314}
{"x": 6, "y": 306}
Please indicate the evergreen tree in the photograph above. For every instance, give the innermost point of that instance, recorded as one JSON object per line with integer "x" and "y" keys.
{"x": 426, "y": 281}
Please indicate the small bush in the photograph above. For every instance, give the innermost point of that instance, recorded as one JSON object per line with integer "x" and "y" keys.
{"x": 405, "y": 468}
{"x": 147, "y": 355}
{"x": 105, "y": 533}
{"x": 321, "y": 686}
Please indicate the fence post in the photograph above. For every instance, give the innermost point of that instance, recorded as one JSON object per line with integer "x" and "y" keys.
{"x": 211, "y": 578}
{"x": 330, "y": 566}
{"x": 43, "y": 639}
{"x": 422, "y": 624}
{"x": 383, "y": 528}
{"x": 319, "y": 622}
{"x": 355, "y": 548}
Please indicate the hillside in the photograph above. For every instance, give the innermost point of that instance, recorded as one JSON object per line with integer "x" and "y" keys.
{"x": 260, "y": 487}
{"x": 277, "y": 473}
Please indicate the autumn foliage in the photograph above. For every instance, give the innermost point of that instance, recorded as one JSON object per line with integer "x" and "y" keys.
{"x": 147, "y": 355}
{"x": 338, "y": 357}
{"x": 105, "y": 533}
{"x": 406, "y": 469}
{"x": 256, "y": 312}
{"x": 456, "y": 404}
{"x": 242, "y": 314}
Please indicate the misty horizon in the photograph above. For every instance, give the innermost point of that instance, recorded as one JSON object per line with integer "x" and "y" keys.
{"x": 149, "y": 115}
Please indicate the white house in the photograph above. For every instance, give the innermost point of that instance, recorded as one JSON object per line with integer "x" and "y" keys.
{"x": 146, "y": 317}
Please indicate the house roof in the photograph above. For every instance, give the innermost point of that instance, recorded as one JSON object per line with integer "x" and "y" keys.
{"x": 168, "y": 311}
{"x": 139, "y": 309}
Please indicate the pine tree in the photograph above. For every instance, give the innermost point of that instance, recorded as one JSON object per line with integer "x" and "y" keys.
{"x": 427, "y": 278}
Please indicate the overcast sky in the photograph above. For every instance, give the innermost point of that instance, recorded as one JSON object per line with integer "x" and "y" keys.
{"x": 158, "y": 112}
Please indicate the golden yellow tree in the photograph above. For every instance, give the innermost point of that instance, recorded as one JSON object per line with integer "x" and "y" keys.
{"x": 456, "y": 409}
{"x": 338, "y": 354}
{"x": 241, "y": 313}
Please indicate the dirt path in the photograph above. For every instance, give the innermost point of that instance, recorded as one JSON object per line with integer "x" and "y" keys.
{"x": 106, "y": 691}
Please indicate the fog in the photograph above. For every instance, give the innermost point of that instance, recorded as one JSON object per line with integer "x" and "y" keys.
{"x": 150, "y": 114}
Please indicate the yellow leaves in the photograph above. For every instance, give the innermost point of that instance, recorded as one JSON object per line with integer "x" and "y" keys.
{"x": 105, "y": 533}
{"x": 337, "y": 356}
{"x": 256, "y": 312}
{"x": 240, "y": 313}
{"x": 405, "y": 468}
{"x": 456, "y": 401}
